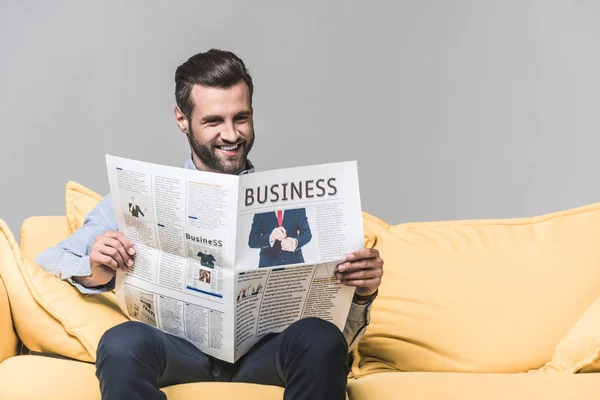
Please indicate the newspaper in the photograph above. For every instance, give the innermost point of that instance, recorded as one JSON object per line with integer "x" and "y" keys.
{"x": 223, "y": 260}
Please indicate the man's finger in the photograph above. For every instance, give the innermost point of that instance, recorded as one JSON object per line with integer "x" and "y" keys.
{"x": 113, "y": 253}
{"x": 374, "y": 282}
{"x": 127, "y": 245}
{"x": 362, "y": 274}
{"x": 108, "y": 261}
{"x": 356, "y": 265}
{"x": 108, "y": 246}
{"x": 362, "y": 253}
{"x": 127, "y": 260}
{"x": 120, "y": 236}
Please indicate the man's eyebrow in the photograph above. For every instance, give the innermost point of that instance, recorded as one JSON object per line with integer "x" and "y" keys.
{"x": 211, "y": 118}
{"x": 246, "y": 113}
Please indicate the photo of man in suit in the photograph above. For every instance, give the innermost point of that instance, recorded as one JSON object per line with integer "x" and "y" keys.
{"x": 206, "y": 259}
{"x": 280, "y": 236}
{"x": 135, "y": 209}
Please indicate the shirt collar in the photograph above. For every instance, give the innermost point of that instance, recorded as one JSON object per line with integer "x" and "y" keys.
{"x": 189, "y": 164}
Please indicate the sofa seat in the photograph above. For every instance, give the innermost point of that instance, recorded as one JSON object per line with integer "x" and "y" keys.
{"x": 37, "y": 377}
{"x": 470, "y": 386}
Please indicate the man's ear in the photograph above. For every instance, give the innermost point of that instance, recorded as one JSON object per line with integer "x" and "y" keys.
{"x": 182, "y": 121}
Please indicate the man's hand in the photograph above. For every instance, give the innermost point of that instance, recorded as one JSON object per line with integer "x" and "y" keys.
{"x": 363, "y": 269}
{"x": 289, "y": 244}
{"x": 111, "y": 251}
{"x": 277, "y": 234}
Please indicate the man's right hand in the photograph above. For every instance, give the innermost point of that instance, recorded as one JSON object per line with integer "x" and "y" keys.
{"x": 111, "y": 251}
{"x": 277, "y": 234}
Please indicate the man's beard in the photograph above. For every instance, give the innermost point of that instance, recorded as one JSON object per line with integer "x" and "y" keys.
{"x": 207, "y": 155}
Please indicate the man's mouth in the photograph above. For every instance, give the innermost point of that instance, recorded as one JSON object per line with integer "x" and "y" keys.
{"x": 229, "y": 148}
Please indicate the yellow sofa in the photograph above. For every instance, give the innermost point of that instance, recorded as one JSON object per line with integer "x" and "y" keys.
{"x": 495, "y": 309}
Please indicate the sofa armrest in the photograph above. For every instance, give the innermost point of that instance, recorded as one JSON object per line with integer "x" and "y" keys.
{"x": 40, "y": 233}
{"x": 8, "y": 337}
{"x": 10, "y": 341}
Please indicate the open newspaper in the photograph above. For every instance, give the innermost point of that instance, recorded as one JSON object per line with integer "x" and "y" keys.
{"x": 223, "y": 260}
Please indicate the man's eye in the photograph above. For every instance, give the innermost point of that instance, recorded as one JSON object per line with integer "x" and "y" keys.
{"x": 241, "y": 119}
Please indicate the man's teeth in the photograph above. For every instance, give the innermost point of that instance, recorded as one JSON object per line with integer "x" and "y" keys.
{"x": 229, "y": 147}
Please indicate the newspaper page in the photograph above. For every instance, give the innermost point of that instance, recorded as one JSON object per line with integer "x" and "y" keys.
{"x": 223, "y": 260}
{"x": 294, "y": 227}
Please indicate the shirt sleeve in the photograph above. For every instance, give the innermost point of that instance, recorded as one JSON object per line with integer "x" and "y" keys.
{"x": 70, "y": 257}
{"x": 356, "y": 323}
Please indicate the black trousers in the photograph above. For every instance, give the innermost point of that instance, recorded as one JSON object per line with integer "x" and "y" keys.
{"x": 309, "y": 359}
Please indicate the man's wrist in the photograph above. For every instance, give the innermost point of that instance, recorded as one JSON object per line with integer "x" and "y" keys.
{"x": 88, "y": 282}
{"x": 85, "y": 281}
{"x": 362, "y": 299}
{"x": 93, "y": 287}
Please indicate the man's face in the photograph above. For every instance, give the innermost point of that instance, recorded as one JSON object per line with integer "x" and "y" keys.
{"x": 220, "y": 130}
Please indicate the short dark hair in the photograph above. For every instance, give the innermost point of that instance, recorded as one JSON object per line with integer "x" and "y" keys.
{"x": 214, "y": 68}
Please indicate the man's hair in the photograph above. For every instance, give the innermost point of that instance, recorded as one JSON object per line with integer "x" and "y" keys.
{"x": 215, "y": 68}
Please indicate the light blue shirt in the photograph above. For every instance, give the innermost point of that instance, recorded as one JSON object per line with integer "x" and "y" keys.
{"x": 71, "y": 258}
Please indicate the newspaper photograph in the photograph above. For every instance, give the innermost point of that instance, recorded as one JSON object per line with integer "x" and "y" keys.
{"x": 223, "y": 260}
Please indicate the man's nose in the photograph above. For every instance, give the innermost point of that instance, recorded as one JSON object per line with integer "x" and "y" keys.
{"x": 230, "y": 133}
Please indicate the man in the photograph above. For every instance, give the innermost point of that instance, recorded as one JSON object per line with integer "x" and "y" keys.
{"x": 309, "y": 358}
{"x": 280, "y": 236}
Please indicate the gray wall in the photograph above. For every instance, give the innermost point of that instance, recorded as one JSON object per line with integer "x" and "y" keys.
{"x": 453, "y": 109}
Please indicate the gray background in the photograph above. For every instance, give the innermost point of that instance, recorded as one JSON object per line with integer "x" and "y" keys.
{"x": 453, "y": 109}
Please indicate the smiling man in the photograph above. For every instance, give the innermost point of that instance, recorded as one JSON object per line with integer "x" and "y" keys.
{"x": 221, "y": 130}
{"x": 213, "y": 92}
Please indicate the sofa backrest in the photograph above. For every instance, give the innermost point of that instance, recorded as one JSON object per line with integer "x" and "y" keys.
{"x": 480, "y": 296}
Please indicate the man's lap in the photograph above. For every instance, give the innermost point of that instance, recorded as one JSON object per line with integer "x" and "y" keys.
{"x": 183, "y": 362}
{"x": 180, "y": 361}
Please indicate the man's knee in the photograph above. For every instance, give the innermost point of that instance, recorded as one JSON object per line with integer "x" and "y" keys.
{"x": 126, "y": 341}
{"x": 318, "y": 336}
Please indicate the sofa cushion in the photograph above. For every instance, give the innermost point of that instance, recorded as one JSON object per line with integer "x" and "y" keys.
{"x": 79, "y": 201}
{"x": 36, "y": 328}
{"x": 84, "y": 318}
{"x": 40, "y": 233}
{"x": 579, "y": 351}
{"x": 35, "y": 377}
{"x": 225, "y": 391}
{"x": 480, "y": 296}
{"x": 50, "y": 315}
{"x": 465, "y": 386}
{"x": 9, "y": 340}
{"x": 55, "y": 317}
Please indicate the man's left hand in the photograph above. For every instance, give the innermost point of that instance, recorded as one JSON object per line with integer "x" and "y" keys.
{"x": 289, "y": 244}
{"x": 363, "y": 269}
